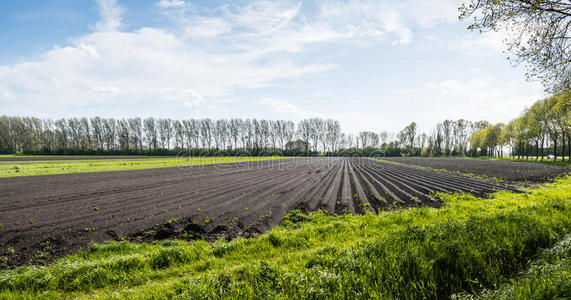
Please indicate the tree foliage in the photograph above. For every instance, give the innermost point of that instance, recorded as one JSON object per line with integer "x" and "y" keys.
{"x": 543, "y": 128}
{"x": 540, "y": 34}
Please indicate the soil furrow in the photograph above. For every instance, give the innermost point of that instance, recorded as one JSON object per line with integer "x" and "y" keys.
{"x": 75, "y": 209}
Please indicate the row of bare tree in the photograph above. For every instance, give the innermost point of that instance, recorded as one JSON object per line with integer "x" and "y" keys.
{"x": 31, "y": 134}
{"x": 152, "y": 135}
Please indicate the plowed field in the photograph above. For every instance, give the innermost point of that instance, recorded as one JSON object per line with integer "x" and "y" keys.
{"x": 57, "y": 214}
{"x": 509, "y": 171}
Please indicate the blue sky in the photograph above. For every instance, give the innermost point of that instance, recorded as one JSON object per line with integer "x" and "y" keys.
{"x": 373, "y": 65}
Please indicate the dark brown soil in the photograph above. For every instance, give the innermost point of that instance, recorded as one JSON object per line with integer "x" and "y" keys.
{"x": 58, "y": 214}
{"x": 509, "y": 171}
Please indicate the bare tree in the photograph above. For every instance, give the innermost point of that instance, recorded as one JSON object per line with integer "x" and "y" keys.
{"x": 235, "y": 127}
{"x": 61, "y": 133}
{"x": 264, "y": 133}
{"x": 368, "y": 139}
{"x": 165, "y": 131}
{"x": 288, "y": 132}
{"x": 274, "y": 131}
{"x": 110, "y": 130}
{"x": 221, "y": 134}
{"x": 206, "y": 131}
{"x": 136, "y": 132}
{"x": 178, "y": 134}
{"x": 74, "y": 133}
{"x": 333, "y": 134}
{"x": 314, "y": 132}
{"x": 124, "y": 134}
{"x": 191, "y": 132}
{"x": 150, "y": 129}
{"x": 305, "y": 131}
{"x": 86, "y": 134}
{"x": 247, "y": 134}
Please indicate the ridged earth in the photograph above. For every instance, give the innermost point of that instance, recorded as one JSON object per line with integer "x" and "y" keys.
{"x": 211, "y": 201}
{"x": 508, "y": 171}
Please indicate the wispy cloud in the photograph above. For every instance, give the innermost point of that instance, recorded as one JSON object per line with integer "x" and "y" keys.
{"x": 264, "y": 27}
{"x": 487, "y": 43}
{"x": 232, "y": 47}
{"x": 110, "y": 14}
{"x": 286, "y": 108}
{"x": 171, "y": 3}
{"x": 106, "y": 89}
{"x": 148, "y": 64}
{"x": 476, "y": 98}
{"x": 396, "y": 19}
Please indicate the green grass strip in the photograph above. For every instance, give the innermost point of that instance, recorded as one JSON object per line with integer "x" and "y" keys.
{"x": 33, "y": 168}
{"x": 548, "y": 277}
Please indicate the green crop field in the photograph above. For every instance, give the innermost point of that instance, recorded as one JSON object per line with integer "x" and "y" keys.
{"x": 50, "y": 167}
{"x": 512, "y": 245}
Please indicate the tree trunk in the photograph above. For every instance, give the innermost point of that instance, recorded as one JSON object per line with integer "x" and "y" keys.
{"x": 542, "y": 141}
{"x": 536, "y": 150}
{"x": 563, "y": 148}
{"x": 555, "y": 149}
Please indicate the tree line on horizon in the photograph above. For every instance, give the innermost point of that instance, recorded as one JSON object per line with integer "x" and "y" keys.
{"x": 163, "y": 136}
{"x": 31, "y": 135}
{"x": 542, "y": 129}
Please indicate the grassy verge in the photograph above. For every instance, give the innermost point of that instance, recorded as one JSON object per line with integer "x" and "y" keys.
{"x": 548, "y": 277}
{"x": 32, "y": 168}
{"x": 468, "y": 246}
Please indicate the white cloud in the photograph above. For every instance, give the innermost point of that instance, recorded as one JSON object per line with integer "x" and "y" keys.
{"x": 171, "y": 3}
{"x": 5, "y": 94}
{"x": 284, "y": 107}
{"x": 194, "y": 99}
{"x": 264, "y": 27}
{"x": 486, "y": 43}
{"x": 428, "y": 14}
{"x": 110, "y": 14}
{"x": 477, "y": 98}
{"x": 106, "y": 89}
{"x": 256, "y": 30}
{"x": 145, "y": 65}
{"x": 207, "y": 28}
{"x": 397, "y": 18}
